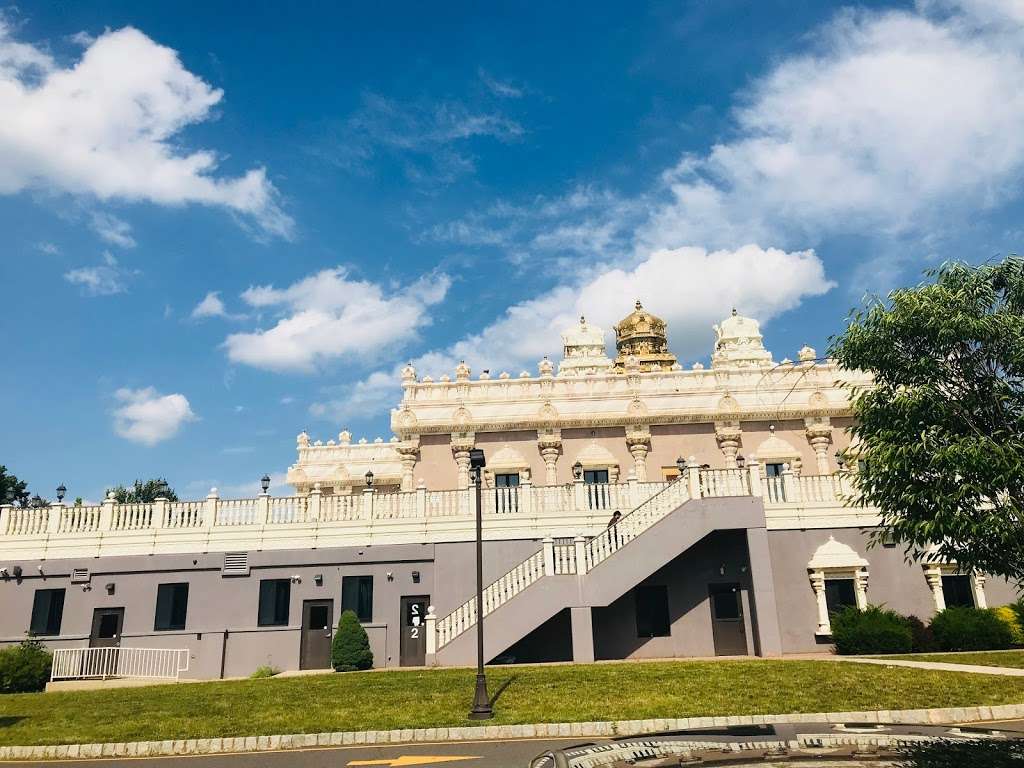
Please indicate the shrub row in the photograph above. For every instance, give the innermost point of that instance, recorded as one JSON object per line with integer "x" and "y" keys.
{"x": 878, "y": 630}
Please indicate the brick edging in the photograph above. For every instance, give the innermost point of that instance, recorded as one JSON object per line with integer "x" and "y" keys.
{"x": 497, "y": 732}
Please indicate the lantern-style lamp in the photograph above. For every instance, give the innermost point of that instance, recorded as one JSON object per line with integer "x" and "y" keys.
{"x": 265, "y": 483}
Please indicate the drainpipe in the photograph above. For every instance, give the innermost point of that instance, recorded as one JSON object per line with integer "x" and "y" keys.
{"x": 223, "y": 653}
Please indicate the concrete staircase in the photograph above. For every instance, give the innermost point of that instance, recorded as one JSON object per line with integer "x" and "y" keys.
{"x": 597, "y": 572}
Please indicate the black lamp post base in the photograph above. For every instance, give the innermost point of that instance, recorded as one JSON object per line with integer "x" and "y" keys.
{"x": 481, "y": 701}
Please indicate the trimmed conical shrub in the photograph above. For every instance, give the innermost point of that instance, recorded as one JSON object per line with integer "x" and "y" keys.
{"x": 351, "y": 647}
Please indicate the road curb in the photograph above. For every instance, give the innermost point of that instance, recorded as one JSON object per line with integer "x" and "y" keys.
{"x": 497, "y": 732}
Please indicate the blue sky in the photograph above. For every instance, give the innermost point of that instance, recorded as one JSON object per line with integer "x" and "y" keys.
{"x": 220, "y": 229}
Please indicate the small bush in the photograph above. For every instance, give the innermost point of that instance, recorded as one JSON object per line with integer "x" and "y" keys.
{"x": 961, "y": 754}
{"x": 350, "y": 649}
{"x": 1008, "y": 615}
{"x": 873, "y": 630}
{"x": 922, "y": 638}
{"x": 970, "y": 629}
{"x": 264, "y": 670}
{"x": 24, "y": 667}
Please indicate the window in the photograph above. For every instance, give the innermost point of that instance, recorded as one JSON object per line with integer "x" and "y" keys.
{"x": 652, "y": 611}
{"x": 171, "y": 606}
{"x": 595, "y": 476}
{"x": 773, "y": 470}
{"x": 47, "y": 610}
{"x": 839, "y": 594}
{"x": 357, "y": 595}
{"x": 509, "y": 480}
{"x": 725, "y": 604}
{"x": 275, "y": 594}
{"x": 957, "y": 592}
{"x": 670, "y": 474}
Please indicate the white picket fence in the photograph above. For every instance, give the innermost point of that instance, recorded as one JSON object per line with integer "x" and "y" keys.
{"x": 102, "y": 663}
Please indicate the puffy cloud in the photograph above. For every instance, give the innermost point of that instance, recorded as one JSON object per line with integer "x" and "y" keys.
{"x": 327, "y": 316}
{"x": 213, "y": 306}
{"x": 145, "y": 416}
{"x": 895, "y": 121}
{"x": 106, "y": 279}
{"x": 690, "y": 288}
{"x": 108, "y": 126}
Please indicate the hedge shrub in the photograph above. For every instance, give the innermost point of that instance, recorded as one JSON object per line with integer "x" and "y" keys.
{"x": 873, "y": 630}
{"x": 922, "y": 637}
{"x": 24, "y": 667}
{"x": 350, "y": 649}
{"x": 1009, "y": 616}
{"x": 970, "y": 629}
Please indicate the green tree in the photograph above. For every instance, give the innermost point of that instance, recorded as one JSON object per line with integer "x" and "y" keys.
{"x": 940, "y": 436}
{"x": 144, "y": 492}
{"x": 350, "y": 649}
{"x": 12, "y": 490}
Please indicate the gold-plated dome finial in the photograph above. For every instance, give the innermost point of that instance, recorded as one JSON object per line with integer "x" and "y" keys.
{"x": 643, "y": 336}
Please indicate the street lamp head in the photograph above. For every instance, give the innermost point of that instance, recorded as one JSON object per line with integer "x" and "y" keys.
{"x": 681, "y": 465}
{"x": 577, "y": 470}
{"x": 369, "y": 478}
{"x": 265, "y": 483}
{"x": 741, "y": 461}
{"x": 476, "y": 458}
{"x": 61, "y": 491}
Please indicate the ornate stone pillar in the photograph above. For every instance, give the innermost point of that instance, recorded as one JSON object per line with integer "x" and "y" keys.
{"x": 729, "y": 437}
{"x": 819, "y": 435}
{"x": 860, "y": 588}
{"x": 549, "y": 443}
{"x": 978, "y": 588}
{"x": 461, "y": 446}
{"x": 408, "y": 454}
{"x": 638, "y": 441}
{"x": 818, "y": 585}
{"x": 933, "y": 575}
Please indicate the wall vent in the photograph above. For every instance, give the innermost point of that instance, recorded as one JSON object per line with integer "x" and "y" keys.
{"x": 79, "y": 575}
{"x": 235, "y": 564}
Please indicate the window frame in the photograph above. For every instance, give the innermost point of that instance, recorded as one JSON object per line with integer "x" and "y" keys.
{"x": 171, "y": 590}
{"x": 358, "y": 580}
{"x": 651, "y": 622}
{"x": 846, "y": 578}
{"x": 275, "y": 620}
{"x": 51, "y": 592}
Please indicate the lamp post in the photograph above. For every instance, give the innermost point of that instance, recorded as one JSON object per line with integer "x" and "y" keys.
{"x": 265, "y": 484}
{"x": 577, "y": 470}
{"x": 61, "y": 491}
{"x": 369, "y": 478}
{"x": 741, "y": 461}
{"x": 681, "y": 466}
{"x": 481, "y": 701}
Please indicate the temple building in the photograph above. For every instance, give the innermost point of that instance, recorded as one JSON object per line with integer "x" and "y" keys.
{"x": 735, "y": 535}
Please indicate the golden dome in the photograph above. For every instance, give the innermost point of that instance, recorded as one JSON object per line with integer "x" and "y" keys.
{"x": 643, "y": 336}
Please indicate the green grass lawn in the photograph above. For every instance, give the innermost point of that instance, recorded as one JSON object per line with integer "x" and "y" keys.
{"x": 983, "y": 658}
{"x": 385, "y": 700}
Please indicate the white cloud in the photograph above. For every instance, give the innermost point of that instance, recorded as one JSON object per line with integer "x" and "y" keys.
{"x": 895, "y": 122}
{"x": 109, "y": 127}
{"x": 112, "y": 229}
{"x": 145, "y": 416}
{"x": 50, "y": 249}
{"x": 690, "y": 288}
{"x": 328, "y": 316}
{"x": 503, "y": 88}
{"x": 428, "y": 137}
{"x": 213, "y": 306}
{"x": 106, "y": 279}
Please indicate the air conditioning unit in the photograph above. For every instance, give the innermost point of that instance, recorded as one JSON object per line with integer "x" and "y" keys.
{"x": 235, "y": 564}
{"x": 80, "y": 576}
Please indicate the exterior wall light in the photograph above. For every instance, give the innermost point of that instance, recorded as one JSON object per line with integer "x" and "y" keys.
{"x": 265, "y": 483}
{"x": 741, "y": 461}
{"x": 369, "y": 478}
{"x": 577, "y": 470}
{"x": 415, "y": 577}
{"x": 61, "y": 492}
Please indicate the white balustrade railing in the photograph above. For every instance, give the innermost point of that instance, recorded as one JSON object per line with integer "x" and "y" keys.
{"x": 564, "y": 558}
{"x": 724, "y": 482}
{"x": 102, "y": 663}
{"x": 530, "y": 509}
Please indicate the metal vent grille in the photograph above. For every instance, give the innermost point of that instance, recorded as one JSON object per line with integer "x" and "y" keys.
{"x": 235, "y": 564}
{"x": 79, "y": 575}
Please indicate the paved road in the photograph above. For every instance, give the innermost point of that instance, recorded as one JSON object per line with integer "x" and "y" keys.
{"x": 476, "y": 754}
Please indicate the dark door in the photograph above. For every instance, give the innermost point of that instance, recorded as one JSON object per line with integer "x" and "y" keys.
{"x": 317, "y": 621}
{"x": 727, "y": 628}
{"x": 106, "y": 634}
{"x": 413, "y": 646}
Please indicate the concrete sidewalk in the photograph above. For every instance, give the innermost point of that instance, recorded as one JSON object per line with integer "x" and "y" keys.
{"x": 938, "y": 666}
